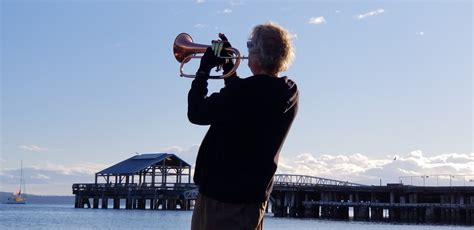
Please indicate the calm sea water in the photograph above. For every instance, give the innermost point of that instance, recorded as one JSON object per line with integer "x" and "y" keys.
{"x": 66, "y": 217}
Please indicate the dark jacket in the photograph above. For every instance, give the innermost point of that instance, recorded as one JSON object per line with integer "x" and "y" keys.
{"x": 249, "y": 120}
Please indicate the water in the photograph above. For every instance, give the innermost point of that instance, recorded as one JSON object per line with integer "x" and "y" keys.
{"x": 66, "y": 217}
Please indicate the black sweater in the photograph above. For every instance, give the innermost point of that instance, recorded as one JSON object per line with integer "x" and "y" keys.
{"x": 249, "y": 120}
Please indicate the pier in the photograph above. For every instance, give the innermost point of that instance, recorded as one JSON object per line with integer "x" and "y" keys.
{"x": 312, "y": 197}
{"x": 146, "y": 181}
{"x": 162, "y": 181}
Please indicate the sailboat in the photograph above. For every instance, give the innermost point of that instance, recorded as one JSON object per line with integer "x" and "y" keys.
{"x": 20, "y": 196}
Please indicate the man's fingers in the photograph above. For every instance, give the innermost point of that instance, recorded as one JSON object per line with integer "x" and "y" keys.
{"x": 221, "y": 46}
{"x": 226, "y": 41}
{"x": 214, "y": 46}
{"x": 223, "y": 37}
{"x": 217, "y": 47}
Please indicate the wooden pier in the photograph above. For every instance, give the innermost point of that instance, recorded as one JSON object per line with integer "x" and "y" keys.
{"x": 132, "y": 196}
{"x": 163, "y": 181}
{"x": 146, "y": 181}
{"x": 313, "y": 197}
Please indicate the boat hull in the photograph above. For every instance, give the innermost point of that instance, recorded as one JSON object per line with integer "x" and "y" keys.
{"x": 15, "y": 202}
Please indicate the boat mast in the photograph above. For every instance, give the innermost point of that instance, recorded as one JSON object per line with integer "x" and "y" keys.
{"x": 22, "y": 181}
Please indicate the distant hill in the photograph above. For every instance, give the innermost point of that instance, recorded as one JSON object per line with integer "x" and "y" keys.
{"x": 36, "y": 199}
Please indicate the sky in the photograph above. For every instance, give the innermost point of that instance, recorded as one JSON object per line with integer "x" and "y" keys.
{"x": 385, "y": 86}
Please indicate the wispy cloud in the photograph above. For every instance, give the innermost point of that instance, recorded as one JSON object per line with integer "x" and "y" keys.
{"x": 200, "y": 1}
{"x": 40, "y": 176}
{"x": 363, "y": 169}
{"x": 87, "y": 168}
{"x": 236, "y": 3}
{"x": 50, "y": 178}
{"x": 54, "y": 178}
{"x": 369, "y": 14}
{"x": 33, "y": 148}
{"x": 317, "y": 20}
{"x": 200, "y": 26}
{"x": 225, "y": 11}
{"x": 188, "y": 154}
{"x": 421, "y": 33}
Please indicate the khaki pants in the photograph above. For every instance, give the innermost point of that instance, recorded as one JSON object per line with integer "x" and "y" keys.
{"x": 210, "y": 214}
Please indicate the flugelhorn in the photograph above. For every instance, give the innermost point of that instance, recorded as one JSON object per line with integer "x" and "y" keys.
{"x": 185, "y": 49}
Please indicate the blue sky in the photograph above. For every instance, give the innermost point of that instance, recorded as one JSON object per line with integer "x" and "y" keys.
{"x": 85, "y": 84}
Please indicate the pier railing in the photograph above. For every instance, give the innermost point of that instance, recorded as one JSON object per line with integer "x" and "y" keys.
{"x": 302, "y": 180}
{"x": 134, "y": 186}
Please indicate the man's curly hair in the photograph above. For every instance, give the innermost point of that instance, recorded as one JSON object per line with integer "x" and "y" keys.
{"x": 273, "y": 47}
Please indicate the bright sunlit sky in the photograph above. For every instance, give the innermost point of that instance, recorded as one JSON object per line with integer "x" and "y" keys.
{"x": 86, "y": 84}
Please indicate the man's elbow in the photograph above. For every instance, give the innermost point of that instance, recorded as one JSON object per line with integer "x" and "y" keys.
{"x": 196, "y": 119}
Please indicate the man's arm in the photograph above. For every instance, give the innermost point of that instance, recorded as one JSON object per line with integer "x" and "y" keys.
{"x": 198, "y": 111}
{"x": 203, "y": 110}
{"x": 218, "y": 107}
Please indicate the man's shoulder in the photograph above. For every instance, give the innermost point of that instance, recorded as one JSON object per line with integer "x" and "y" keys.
{"x": 289, "y": 81}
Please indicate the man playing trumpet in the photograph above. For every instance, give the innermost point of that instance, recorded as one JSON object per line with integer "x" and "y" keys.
{"x": 249, "y": 119}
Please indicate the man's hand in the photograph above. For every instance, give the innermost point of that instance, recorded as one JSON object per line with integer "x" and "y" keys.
{"x": 214, "y": 56}
{"x": 208, "y": 61}
{"x": 229, "y": 64}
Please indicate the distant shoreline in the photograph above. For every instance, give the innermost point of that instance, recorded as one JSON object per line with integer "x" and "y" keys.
{"x": 40, "y": 199}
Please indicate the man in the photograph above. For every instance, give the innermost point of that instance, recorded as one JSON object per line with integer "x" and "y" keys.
{"x": 249, "y": 120}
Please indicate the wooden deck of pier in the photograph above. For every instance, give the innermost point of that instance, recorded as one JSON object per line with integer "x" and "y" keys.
{"x": 163, "y": 181}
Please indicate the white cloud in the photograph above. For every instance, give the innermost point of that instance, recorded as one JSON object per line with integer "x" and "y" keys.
{"x": 338, "y": 11}
{"x": 33, "y": 148}
{"x": 317, "y": 20}
{"x": 421, "y": 33}
{"x": 362, "y": 169}
{"x": 200, "y": 1}
{"x": 200, "y": 26}
{"x": 50, "y": 178}
{"x": 370, "y": 14}
{"x": 188, "y": 154}
{"x": 225, "y": 11}
{"x": 358, "y": 168}
{"x": 88, "y": 168}
{"x": 40, "y": 176}
{"x": 236, "y": 3}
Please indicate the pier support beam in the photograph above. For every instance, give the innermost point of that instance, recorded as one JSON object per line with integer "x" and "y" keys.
{"x": 431, "y": 215}
{"x": 278, "y": 205}
{"x": 116, "y": 203}
{"x": 128, "y": 203}
{"x": 361, "y": 213}
{"x": 141, "y": 203}
{"x": 105, "y": 203}
{"x": 394, "y": 214}
{"x": 470, "y": 217}
{"x": 325, "y": 212}
{"x": 376, "y": 213}
{"x": 311, "y": 211}
{"x": 341, "y": 213}
{"x": 86, "y": 202}
{"x": 95, "y": 203}
{"x": 77, "y": 201}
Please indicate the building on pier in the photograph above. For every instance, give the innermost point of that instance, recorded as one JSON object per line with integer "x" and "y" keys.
{"x": 144, "y": 181}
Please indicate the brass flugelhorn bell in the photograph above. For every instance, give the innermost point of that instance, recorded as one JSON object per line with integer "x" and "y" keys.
{"x": 185, "y": 49}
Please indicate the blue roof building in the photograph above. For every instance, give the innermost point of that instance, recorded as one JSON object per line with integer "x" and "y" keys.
{"x": 147, "y": 170}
